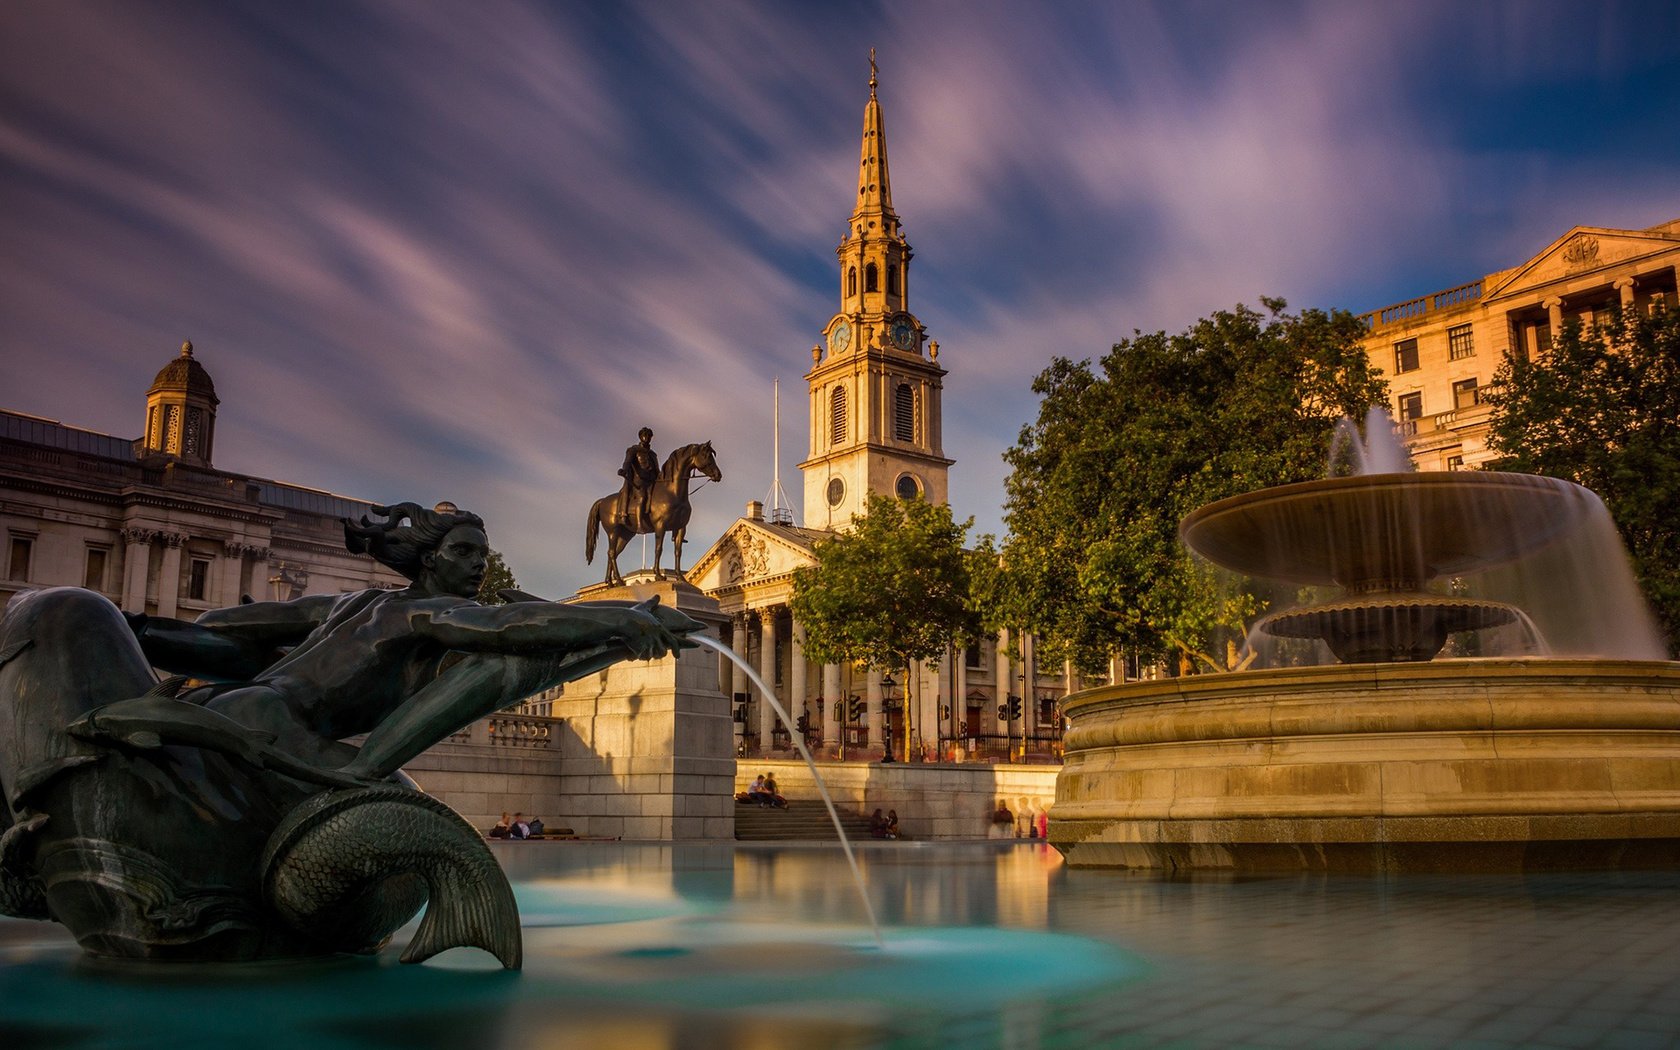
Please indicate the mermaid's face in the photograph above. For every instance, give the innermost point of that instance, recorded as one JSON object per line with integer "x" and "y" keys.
{"x": 457, "y": 566}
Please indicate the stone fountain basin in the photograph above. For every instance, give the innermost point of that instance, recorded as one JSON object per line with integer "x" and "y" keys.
{"x": 1385, "y": 531}
{"x": 1463, "y": 765}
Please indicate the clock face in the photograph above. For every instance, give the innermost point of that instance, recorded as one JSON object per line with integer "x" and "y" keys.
{"x": 841, "y": 337}
{"x": 904, "y": 335}
{"x": 836, "y": 491}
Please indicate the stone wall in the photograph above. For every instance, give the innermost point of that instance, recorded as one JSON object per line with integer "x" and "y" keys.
{"x": 505, "y": 763}
{"x": 933, "y": 800}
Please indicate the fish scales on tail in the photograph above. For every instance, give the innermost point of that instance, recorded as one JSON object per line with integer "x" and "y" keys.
{"x": 392, "y": 831}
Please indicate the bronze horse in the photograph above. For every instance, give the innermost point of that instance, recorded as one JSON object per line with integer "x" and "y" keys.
{"x": 668, "y": 511}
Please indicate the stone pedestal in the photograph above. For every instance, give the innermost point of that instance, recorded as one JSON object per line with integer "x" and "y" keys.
{"x": 644, "y": 747}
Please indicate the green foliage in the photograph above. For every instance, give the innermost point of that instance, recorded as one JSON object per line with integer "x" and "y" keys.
{"x": 893, "y": 589}
{"x": 497, "y": 577}
{"x": 1602, "y": 409}
{"x": 1123, "y": 450}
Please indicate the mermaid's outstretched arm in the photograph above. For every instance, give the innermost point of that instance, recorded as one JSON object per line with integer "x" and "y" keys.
{"x": 529, "y": 627}
{"x": 484, "y": 682}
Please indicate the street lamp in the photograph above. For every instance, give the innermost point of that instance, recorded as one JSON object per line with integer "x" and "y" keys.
{"x": 887, "y": 687}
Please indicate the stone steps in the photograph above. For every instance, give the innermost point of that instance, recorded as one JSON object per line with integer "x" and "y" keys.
{"x": 805, "y": 820}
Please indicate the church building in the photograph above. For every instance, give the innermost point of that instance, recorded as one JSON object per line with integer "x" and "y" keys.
{"x": 874, "y": 393}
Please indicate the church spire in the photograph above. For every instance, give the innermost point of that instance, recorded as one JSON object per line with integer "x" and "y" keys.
{"x": 874, "y": 200}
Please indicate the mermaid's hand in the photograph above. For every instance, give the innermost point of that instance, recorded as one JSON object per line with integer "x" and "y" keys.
{"x": 651, "y": 631}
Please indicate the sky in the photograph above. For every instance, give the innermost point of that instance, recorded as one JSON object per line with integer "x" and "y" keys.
{"x": 459, "y": 251}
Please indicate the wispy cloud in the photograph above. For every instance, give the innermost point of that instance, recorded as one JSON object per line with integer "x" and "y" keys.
{"x": 437, "y": 252}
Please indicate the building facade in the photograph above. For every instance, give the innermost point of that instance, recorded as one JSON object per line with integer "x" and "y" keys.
{"x": 153, "y": 524}
{"x": 1439, "y": 352}
{"x": 874, "y": 389}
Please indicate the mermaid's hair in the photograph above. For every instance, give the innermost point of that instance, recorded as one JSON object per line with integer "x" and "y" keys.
{"x": 398, "y": 546}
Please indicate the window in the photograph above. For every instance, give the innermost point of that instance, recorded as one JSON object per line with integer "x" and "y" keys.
{"x": 1410, "y": 409}
{"x": 1464, "y": 394}
{"x": 851, "y": 281}
{"x": 1405, "y": 355}
{"x": 18, "y": 564}
{"x": 871, "y": 278}
{"x": 837, "y": 416}
{"x": 195, "y": 430}
{"x": 971, "y": 655}
{"x": 907, "y": 488}
{"x": 892, "y": 280}
{"x": 904, "y": 413}
{"x": 1459, "y": 342}
{"x": 93, "y": 573}
{"x": 198, "y": 579}
{"x": 1455, "y": 462}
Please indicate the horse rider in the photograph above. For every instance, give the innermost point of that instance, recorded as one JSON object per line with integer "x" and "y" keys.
{"x": 640, "y": 471}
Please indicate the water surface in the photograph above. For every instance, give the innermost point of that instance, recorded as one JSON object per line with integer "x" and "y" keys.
{"x": 985, "y": 945}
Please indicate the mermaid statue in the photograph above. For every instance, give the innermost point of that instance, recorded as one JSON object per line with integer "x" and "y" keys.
{"x": 220, "y": 814}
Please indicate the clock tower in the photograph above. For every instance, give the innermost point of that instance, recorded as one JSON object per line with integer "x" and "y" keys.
{"x": 875, "y": 380}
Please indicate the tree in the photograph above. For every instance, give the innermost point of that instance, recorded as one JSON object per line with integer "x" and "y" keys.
{"x": 497, "y": 577}
{"x": 1123, "y": 450}
{"x": 1602, "y": 409}
{"x": 892, "y": 590}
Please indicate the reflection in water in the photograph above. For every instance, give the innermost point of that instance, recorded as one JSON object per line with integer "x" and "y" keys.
{"x": 993, "y": 945}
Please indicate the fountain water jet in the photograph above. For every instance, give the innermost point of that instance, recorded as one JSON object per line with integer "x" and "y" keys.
{"x": 769, "y": 695}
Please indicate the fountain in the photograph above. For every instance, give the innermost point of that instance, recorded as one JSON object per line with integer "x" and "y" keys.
{"x": 1392, "y": 759}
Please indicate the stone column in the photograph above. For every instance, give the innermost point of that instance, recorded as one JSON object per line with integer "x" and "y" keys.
{"x": 233, "y": 573}
{"x": 831, "y": 699}
{"x": 169, "y": 577}
{"x": 959, "y": 691}
{"x": 738, "y": 677}
{"x": 1624, "y": 286}
{"x": 137, "y": 556}
{"x": 796, "y": 674}
{"x": 1554, "y": 316}
{"x": 767, "y": 671}
{"x": 873, "y": 703}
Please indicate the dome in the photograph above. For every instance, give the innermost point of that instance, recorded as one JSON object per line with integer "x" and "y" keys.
{"x": 185, "y": 374}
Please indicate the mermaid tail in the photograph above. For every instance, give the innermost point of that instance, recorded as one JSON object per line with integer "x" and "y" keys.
{"x": 359, "y": 863}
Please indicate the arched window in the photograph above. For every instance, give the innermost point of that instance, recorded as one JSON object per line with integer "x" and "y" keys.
{"x": 904, "y": 413}
{"x": 837, "y": 416}
{"x": 892, "y": 280}
{"x": 851, "y": 281}
{"x": 871, "y": 278}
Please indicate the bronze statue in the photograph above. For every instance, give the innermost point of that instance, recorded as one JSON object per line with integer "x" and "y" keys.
{"x": 666, "y": 508}
{"x": 225, "y": 818}
{"x": 640, "y": 471}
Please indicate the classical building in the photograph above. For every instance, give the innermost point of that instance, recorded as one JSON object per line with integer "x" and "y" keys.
{"x": 151, "y": 523}
{"x": 874, "y": 388}
{"x": 1439, "y": 351}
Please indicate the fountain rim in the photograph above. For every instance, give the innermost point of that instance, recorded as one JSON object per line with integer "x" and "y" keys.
{"x": 1376, "y": 484}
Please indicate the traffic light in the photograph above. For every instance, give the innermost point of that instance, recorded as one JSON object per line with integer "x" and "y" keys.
{"x": 944, "y": 711}
{"x": 1003, "y": 713}
{"x": 857, "y": 709}
{"x": 1014, "y": 707}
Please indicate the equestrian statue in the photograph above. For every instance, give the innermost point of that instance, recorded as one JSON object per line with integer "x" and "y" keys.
{"x": 651, "y": 500}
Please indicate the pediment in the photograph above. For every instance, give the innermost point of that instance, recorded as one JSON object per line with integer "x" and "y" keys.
{"x": 1581, "y": 250}
{"x": 747, "y": 552}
